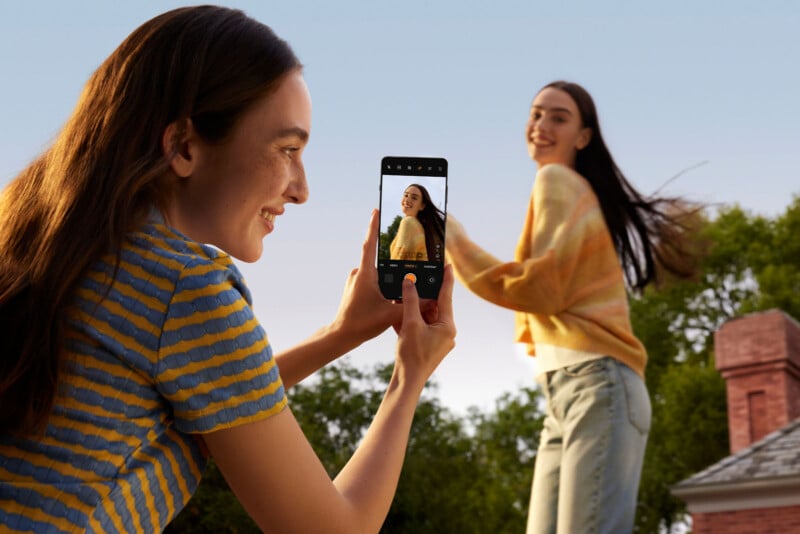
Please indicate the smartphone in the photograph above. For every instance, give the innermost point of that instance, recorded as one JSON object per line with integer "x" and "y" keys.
{"x": 413, "y": 211}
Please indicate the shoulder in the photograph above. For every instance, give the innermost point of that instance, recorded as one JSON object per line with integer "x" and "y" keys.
{"x": 410, "y": 221}
{"x": 179, "y": 262}
{"x": 560, "y": 185}
{"x": 555, "y": 178}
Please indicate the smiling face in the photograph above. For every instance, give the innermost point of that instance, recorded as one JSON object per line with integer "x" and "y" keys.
{"x": 412, "y": 203}
{"x": 229, "y": 194}
{"x": 555, "y": 131}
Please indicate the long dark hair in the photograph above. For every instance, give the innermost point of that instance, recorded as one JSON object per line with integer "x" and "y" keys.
{"x": 432, "y": 219}
{"x": 649, "y": 233}
{"x": 105, "y": 172}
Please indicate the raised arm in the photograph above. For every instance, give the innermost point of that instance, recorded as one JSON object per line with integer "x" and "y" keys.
{"x": 363, "y": 314}
{"x": 562, "y": 222}
{"x": 280, "y": 481}
{"x": 409, "y": 243}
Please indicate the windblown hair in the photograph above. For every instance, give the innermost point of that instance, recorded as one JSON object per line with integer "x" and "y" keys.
{"x": 106, "y": 170}
{"x": 651, "y": 234}
{"x": 433, "y": 221}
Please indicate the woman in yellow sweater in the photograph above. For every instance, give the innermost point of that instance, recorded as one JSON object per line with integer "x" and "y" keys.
{"x": 586, "y": 234}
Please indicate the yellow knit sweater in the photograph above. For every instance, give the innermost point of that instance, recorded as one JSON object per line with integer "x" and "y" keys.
{"x": 409, "y": 243}
{"x": 566, "y": 283}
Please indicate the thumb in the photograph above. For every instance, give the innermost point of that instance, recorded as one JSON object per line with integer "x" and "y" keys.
{"x": 410, "y": 302}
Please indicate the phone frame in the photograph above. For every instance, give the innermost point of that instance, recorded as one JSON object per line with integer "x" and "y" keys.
{"x": 391, "y": 272}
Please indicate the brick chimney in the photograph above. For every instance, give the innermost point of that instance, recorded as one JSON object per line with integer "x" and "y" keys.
{"x": 758, "y": 355}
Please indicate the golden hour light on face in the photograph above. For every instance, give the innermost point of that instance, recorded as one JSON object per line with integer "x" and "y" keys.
{"x": 554, "y": 131}
{"x": 412, "y": 203}
{"x": 263, "y": 169}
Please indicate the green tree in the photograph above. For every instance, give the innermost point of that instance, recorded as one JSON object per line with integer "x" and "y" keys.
{"x": 505, "y": 441}
{"x": 385, "y": 238}
{"x": 752, "y": 264}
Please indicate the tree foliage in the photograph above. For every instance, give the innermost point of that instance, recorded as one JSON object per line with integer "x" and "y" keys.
{"x": 385, "y": 238}
{"x": 752, "y": 264}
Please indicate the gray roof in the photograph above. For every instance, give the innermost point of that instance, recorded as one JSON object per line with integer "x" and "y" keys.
{"x": 777, "y": 455}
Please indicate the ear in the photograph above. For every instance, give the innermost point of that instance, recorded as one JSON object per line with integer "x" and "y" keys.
{"x": 583, "y": 139}
{"x": 179, "y": 146}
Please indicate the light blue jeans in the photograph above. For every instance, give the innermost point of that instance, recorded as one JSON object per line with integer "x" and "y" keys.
{"x": 592, "y": 446}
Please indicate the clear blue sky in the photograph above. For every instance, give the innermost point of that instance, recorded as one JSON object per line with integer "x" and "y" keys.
{"x": 676, "y": 84}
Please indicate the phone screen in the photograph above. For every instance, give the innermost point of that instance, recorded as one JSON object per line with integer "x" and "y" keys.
{"x": 413, "y": 211}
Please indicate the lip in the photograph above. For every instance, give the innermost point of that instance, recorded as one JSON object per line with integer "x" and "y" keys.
{"x": 540, "y": 140}
{"x": 268, "y": 216}
{"x": 539, "y": 143}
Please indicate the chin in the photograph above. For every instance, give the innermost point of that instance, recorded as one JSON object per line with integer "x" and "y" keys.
{"x": 248, "y": 255}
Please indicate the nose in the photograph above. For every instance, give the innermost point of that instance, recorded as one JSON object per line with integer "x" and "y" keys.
{"x": 532, "y": 126}
{"x": 540, "y": 125}
{"x": 297, "y": 192}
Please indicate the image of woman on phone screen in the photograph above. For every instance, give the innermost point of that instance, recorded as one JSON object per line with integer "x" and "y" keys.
{"x": 420, "y": 235}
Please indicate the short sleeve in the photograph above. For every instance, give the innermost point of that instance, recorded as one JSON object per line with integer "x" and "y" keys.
{"x": 215, "y": 366}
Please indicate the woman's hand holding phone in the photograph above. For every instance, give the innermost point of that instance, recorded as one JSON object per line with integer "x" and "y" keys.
{"x": 363, "y": 311}
{"x": 427, "y": 334}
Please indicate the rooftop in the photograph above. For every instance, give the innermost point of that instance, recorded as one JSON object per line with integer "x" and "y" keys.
{"x": 776, "y": 455}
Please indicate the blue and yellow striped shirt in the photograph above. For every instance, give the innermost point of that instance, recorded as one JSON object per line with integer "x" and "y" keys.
{"x": 163, "y": 347}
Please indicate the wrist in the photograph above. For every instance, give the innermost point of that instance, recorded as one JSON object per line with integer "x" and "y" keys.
{"x": 405, "y": 384}
{"x": 339, "y": 337}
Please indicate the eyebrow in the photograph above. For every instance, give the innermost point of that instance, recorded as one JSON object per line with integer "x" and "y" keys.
{"x": 294, "y": 132}
{"x": 565, "y": 110}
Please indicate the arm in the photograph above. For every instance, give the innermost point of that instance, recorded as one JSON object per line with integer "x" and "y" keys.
{"x": 274, "y": 472}
{"x": 549, "y": 244}
{"x": 409, "y": 243}
{"x": 363, "y": 314}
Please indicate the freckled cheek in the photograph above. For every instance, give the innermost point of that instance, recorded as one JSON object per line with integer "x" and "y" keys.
{"x": 265, "y": 173}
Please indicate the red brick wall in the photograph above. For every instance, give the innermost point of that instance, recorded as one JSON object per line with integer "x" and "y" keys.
{"x": 759, "y": 354}
{"x": 759, "y": 357}
{"x": 758, "y": 337}
{"x": 764, "y": 521}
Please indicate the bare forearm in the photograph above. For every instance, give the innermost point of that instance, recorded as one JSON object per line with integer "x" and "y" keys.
{"x": 324, "y": 346}
{"x": 369, "y": 480}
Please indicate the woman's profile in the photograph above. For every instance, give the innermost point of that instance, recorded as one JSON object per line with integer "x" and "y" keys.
{"x": 130, "y": 350}
{"x": 420, "y": 235}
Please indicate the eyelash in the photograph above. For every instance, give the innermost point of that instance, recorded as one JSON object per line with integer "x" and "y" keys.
{"x": 537, "y": 116}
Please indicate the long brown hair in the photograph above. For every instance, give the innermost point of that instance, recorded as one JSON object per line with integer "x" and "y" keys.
{"x": 105, "y": 172}
{"x": 651, "y": 234}
{"x": 433, "y": 221}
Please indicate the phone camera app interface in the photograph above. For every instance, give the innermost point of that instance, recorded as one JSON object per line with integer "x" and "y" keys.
{"x": 413, "y": 208}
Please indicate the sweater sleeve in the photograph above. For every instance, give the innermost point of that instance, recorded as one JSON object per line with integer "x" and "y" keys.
{"x": 409, "y": 243}
{"x": 546, "y": 254}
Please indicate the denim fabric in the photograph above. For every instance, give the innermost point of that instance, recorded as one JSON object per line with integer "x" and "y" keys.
{"x": 592, "y": 446}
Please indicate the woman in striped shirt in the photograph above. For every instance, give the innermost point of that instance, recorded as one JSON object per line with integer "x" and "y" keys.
{"x": 129, "y": 346}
